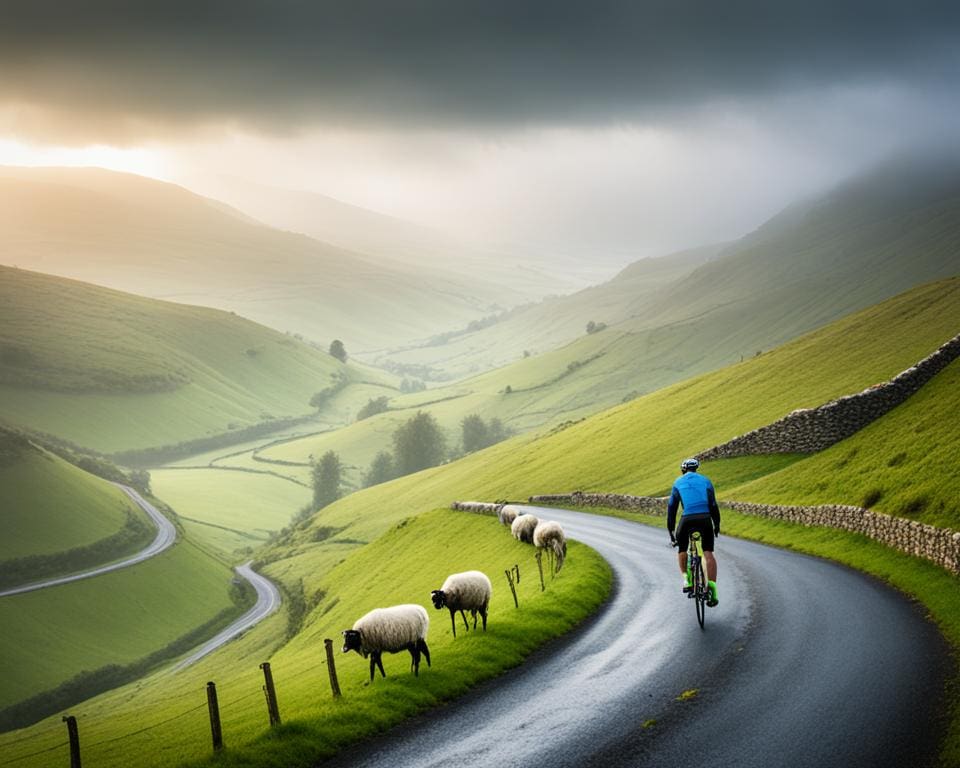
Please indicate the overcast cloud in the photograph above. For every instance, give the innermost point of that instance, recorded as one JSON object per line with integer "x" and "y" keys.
{"x": 588, "y": 122}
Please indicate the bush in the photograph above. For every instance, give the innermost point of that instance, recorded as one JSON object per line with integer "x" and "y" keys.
{"x": 374, "y": 406}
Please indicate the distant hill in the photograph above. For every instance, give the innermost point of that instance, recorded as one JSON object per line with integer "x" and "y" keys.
{"x": 160, "y": 240}
{"x": 541, "y": 327}
{"x": 519, "y": 270}
{"x": 113, "y": 371}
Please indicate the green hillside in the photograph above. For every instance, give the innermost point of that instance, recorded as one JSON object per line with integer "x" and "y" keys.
{"x": 53, "y": 635}
{"x": 635, "y": 447}
{"x": 534, "y": 329}
{"x": 48, "y": 506}
{"x": 160, "y": 240}
{"x": 113, "y": 371}
{"x": 900, "y": 464}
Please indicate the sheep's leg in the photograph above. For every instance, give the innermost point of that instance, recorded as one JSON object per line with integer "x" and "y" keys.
{"x": 377, "y": 657}
{"x": 414, "y": 649}
{"x": 464, "y": 614}
{"x": 373, "y": 665}
{"x": 473, "y": 612}
{"x": 453, "y": 621}
{"x": 422, "y": 645}
{"x": 483, "y": 613}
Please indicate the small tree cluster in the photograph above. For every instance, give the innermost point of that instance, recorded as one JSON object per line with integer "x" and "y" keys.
{"x": 338, "y": 351}
{"x": 412, "y": 385}
{"x": 418, "y": 443}
{"x": 327, "y": 478}
{"x": 593, "y": 327}
{"x": 477, "y": 434}
{"x": 374, "y": 406}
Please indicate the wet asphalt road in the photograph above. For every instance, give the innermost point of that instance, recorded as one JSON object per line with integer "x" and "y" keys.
{"x": 803, "y": 663}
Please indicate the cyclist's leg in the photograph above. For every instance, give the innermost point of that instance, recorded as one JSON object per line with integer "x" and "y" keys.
{"x": 683, "y": 541}
{"x": 711, "y": 560}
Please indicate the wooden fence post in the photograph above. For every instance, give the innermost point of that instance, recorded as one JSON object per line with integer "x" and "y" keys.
{"x": 272, "y": 709}
{"x": 513, "y": 589}
{"x": 332, "y": 668}
{"x": 74, "y": 734}
{"x": 540, "y": 568}
{"x": 214, "y": 707}
{"x": 516, "y": 570}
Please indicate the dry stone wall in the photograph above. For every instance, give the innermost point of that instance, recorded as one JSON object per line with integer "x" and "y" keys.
{"x": 813, "y": 429}
{"x": 939, "y": 545}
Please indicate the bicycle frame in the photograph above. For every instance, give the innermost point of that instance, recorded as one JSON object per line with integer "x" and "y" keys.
{"x": 695, "y": 563}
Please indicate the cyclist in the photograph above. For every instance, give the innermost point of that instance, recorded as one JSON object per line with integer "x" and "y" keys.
{"x": 700, "y": 513}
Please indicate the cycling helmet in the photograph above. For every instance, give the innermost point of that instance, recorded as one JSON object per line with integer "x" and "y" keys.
{"x": 689, "y": 465}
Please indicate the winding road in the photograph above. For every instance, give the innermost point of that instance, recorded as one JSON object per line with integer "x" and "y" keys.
{"x": 166, "y": 536}
{"x": 803, "y": 663}
{"x": 268, "y": 600}
{"x": 268, "y": 596}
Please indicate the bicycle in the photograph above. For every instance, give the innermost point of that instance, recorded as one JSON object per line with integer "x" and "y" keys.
{"x": 699, "y": 592}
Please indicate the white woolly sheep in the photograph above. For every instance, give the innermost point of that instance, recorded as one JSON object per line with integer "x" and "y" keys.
{"x": 522, "y": 528}
{"x": 549, "y": 535}
{"x": 394, "y": 629}
{"x": 468, "y": 591}
{"x": 508, "y": 513}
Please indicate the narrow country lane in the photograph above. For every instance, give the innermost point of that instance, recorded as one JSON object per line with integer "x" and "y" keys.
{"x": 803, "y": 663}
{"x": 165, "y": 538}
{"x": 268, "y": 600}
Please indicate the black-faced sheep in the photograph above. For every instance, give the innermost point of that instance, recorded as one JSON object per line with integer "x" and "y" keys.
{"x": 394, "y": 629}
{"x": 550, "y": 536}
{"x": 522, "y": 528}
{"x": 468, "y": 591}
{"x": 508, "y": 513}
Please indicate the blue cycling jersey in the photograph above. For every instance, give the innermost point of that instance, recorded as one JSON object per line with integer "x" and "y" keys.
{"x": 696, "y": 494}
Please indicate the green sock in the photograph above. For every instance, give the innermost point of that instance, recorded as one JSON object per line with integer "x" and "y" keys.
{"x": 713, "y": 589}
{"x": 689, "y": 581}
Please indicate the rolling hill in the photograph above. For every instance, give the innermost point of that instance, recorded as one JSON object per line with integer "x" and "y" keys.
{"x": 865, "y": 240}
{"x": 633, "y": 447}
{"x": 115, "y": 372}
{"x": 159, "y": 240}
{"x": 59, "y": 519}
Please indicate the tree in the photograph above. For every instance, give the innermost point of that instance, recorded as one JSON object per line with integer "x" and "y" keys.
{"x": 418, "y": 443}
{"x": 474, "y": 433}
{"x": 374, "y": 406}
{"x": 477, "y": 434}
{"x": 382, "y": 469}
{"x": 593, "y": 327}
{"x": 327, "y": 476}
{"x": 338, "y": 350}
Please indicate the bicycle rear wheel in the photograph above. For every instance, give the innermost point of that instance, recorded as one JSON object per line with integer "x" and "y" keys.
{"x": 699, "y": 590}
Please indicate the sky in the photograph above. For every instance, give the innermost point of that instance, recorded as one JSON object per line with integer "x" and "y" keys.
{"x": 611, "y": 130}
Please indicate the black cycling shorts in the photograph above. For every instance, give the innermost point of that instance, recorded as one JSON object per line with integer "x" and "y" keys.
{"x": 702, "y": 523}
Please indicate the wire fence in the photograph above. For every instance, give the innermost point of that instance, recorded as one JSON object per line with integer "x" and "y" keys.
{"x": 239, "y": 707}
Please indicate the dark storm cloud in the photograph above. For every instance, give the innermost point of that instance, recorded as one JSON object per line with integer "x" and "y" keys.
{"x": 123, "y": 66}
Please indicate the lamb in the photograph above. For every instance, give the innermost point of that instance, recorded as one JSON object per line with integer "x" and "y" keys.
{"x": 468, "y": 591}
{"x": 522, "y": 528}
{"x": 550, "y": 536}
{"x": 394, "y": 629}
{"x": 508, "y": 513}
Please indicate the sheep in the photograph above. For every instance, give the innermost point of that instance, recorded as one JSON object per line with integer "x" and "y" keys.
{"x": 508, "y": 513}
{"x": 468, "y": 591}
{"x": 394, "y": 629}
{"x": 522, "y": 528}
{"x": 549, "y": 535}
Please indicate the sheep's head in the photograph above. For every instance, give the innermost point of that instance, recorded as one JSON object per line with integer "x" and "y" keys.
{"x": 439, "y": 598}
{"x": 352, "y": 641}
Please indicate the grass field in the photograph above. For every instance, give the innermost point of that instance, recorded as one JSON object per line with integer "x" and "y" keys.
{"x": 113, "y": 371}
{"x": 54, "y": 634}
{"x": 632, "y": 448}
{"x": 229, "y": 510}
{"x": 409, "y": 560}
{"x": 49, "y": 506}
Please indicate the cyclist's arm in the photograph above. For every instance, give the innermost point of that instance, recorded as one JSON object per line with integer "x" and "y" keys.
{"x": 672, "y": 507}
{"x": 714, "y": 508}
